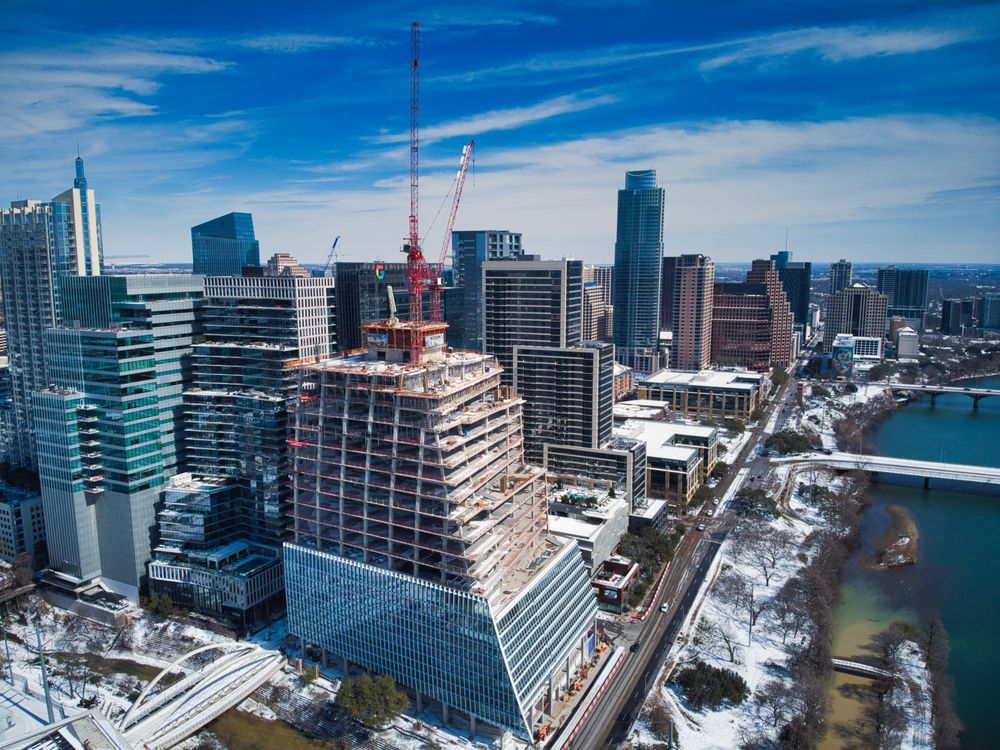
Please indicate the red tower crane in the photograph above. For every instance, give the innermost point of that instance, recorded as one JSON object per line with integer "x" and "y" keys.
{"x": 418, "y": 272}
{"x": 463, "y": 168}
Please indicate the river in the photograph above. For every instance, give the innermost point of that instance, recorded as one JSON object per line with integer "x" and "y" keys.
{"x": 959, "y": 558}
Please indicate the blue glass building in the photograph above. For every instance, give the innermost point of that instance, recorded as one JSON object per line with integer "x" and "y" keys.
{"x": 638, "y": 258}
{"x": 225, "y": 246}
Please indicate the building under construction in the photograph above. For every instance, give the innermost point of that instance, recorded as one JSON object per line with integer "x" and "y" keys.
{"x": 420, "y": 545}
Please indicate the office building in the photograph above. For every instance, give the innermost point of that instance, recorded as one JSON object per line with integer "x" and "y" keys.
{"x": 283, "y": 264}
{"x": 225, "y": 246}
{"x": 907, "y": 344}
{"x": 796, "y": 278}
{"x": 40, "y": 243}
{"x": 841, "y": 275}
{"x": 692, "y": 297}
{"x": 636, "y": 412}
{"x": 22, "y": 525}
{"x": 957, "y": 317}
{"x": 638, "y": 259}
{"x": 3, "y": 340}
{"x": 710, "y": 393}
{"x": 470, "y": 250}
{"x": 858, "y": 310}
{"x": 530, "y": 302}
{"x": 604, "y": 277}
{"x": 115, "y": 409}
{"x": 433, "y": 563}
{"x": 752, "y": 321}
{"x": 568, "y": 395}
{"x": 362, "y": 292}
{"x": 667, "y": 292}
{"x": 989, "y": 310}
{"x": 905, "y": 291}
{"x": 236, "y": 407}
{"x": 593, "y": 514}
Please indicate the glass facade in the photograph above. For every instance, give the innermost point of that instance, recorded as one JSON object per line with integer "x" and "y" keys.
{"x": 447, "y": 643}
{"x": 225, "y": 246}
{"x": 638, "y": 258}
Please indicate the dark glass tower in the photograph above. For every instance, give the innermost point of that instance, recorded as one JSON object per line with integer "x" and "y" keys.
{"x": 796, "y": 278}
{"x": 225, "y": 246}
{"x": 638, "y": 258}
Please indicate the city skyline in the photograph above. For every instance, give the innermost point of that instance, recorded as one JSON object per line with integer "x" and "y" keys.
{"x": 867, "y": 131}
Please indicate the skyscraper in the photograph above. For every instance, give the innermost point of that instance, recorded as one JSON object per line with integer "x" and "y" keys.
{"x": 638, "y": 258}
{"x": 363, "y": 297}
{"x": 692, "y": 298}
{"x": 40, "y": 243}
{"x": 905, "y": 291}
{"x": 107, "y": 427}
{"x": 752, "y": 321}
{"x": 470, "y": 250}
{"x": 596, "y": 313}
{"x": 858, "y": 310}
{"x": 667, "y": 291}
{"x": 530, "y": 302}
{"x": 841, "y": 275}
{"x": 433, "y": 563}
{"x": 957, "y": 317}
{"x": 797, "y": 280}
{"x": 225, "y": 246}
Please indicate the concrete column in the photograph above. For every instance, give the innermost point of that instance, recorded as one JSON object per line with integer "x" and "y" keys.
{"x": 552, "y": 697}
{"x": 420, "y": 702}
{"x": 472, "y": 727}
{"x": 343, "y": 665}
{"x": 325, "y": 659}
{"x": 445, "y": 713}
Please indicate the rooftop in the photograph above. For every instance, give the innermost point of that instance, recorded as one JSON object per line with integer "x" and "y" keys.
{"x": 742, "y": 380}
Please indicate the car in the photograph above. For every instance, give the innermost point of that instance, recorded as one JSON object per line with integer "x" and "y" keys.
{"x": 701, "y": 527}
{"x": 664, "y": 607}
{"x": 715, "y": 501}
{"x": 635, "y": 646}
{"x": 709, "y": 513}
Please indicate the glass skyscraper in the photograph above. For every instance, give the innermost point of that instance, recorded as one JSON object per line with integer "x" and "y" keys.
{"x": 638, "y": 258}
{"x": 225, "y": 246}
{"x": 470, "y": 250}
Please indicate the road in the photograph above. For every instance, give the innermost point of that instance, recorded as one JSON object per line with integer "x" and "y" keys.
{"x": 609, "y": 723}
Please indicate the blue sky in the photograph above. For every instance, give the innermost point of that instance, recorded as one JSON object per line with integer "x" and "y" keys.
{"x": 869, "y": 130}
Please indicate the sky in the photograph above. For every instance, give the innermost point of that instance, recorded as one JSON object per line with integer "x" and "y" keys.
{"x": 867, "y": 131}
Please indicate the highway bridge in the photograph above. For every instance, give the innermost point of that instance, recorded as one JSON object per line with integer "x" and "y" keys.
{"x": 900, "y": 466}
{"x": 976, "y": 394}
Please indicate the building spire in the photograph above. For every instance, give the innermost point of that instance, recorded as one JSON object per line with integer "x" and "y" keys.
{"x": 81, "y": 178}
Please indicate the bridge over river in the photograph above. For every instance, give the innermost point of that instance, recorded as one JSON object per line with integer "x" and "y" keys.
{"x": 976, "y": 394}
{"x": 900, "y": 466}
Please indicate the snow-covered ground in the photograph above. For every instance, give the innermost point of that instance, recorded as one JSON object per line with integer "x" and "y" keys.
{"x": 914, "y": 698}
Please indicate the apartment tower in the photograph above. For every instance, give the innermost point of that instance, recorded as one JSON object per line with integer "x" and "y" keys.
{"x": 693, "y": 297}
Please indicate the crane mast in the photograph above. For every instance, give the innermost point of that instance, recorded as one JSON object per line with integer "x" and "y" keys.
{"x": 463, "y": 169}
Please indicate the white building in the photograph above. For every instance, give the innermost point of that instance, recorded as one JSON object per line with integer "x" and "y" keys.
{"x": 907, "y": 343}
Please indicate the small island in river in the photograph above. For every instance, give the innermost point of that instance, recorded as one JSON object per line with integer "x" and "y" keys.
{"x": 898, "y": 545}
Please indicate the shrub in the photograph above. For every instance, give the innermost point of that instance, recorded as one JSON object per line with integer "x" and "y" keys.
{"x": 703, "y": 684}
{"x": 788, "y": 441}
{"x": 371, "y": 701}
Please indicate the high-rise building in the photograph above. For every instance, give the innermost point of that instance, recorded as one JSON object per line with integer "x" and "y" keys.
{"x": 225, "y": 246}
{"x": 40, "y": 243}
{"x": 796, "y": 277}
{"x": 668, "y": 275}
{"x": 22, "y": 524}
{"x": 858, "y": 310}
{"x": 236, "y": 431}
{"x": 604, "y": 277}
{"x": 841, "y": 275}
{"x": 432, "y": 563}
{"x": 596, "y": 313}
{"x": 109, "y": 425}
{"x": 957, "y": 317}
{"x": 692, "y": 297}
{"x": 530, "y": 302}
{"x": 752, "y": 321}
{"x": 905, "y": 291}
{"x": 470, "y": 249}
{"x": 568, "y": 395}
{"x": 363, "y": 297}
{"x": 638, "y": 258}
{"x": 283, "y": 264}
{"x": 989, "y": 310}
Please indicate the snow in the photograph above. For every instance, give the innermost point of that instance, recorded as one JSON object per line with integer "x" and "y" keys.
{"x": 915, "y": 699}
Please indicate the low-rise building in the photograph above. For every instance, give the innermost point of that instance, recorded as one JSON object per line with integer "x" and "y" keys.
{"x": 624, "y": 382}
{"x": 594, "y": 514}
{"x": 708, "y": 393}
{"x": 673, "y": 470}
{"x": 613, "y": 581}
{"x": 649, "y": 426}
{"x": 907, "y": 343}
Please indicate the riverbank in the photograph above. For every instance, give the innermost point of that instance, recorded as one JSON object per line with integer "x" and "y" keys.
{"x": 899, "y": 544}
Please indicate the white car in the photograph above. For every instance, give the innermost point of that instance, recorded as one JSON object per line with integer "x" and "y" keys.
{"x": 709, "y": 513}
{"x": 664, "y": 607}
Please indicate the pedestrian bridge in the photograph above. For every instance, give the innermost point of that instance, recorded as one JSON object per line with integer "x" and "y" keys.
{"x": 901, "y": 466}
{"x": 860, "y": 669}
{"x": 976, "y": 394}
{"x": 163, "y": 719}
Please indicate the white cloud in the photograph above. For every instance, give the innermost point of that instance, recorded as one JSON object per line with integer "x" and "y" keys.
{"x": 291, "y": 43}
{"x": 501, "y": 119}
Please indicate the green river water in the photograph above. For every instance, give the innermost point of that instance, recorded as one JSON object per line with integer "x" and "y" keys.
{"x": 956, "y": 574}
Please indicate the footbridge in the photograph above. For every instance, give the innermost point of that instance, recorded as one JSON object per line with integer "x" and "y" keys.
{"x": 900, "y": 466}
{"x": 161, "y": 720}
{"x": 860, "y": 669}
{"x": 976, "y": 394}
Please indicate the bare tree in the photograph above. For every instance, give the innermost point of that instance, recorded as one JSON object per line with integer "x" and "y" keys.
{"x": 790, "y": 611}
{"x": 740, "y": 594}
{"x": 888, "y": 646}
{"x": 778, "y": 701}
{"x": 729, "y": 640}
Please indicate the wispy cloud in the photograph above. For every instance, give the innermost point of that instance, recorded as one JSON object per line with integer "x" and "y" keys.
{"x": 292, "y": 43}
{"x": 502, "y": 119}
{"x": 839, "y": 44}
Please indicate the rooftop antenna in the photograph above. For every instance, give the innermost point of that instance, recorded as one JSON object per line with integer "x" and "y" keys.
{"x": 786, "y": 239}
